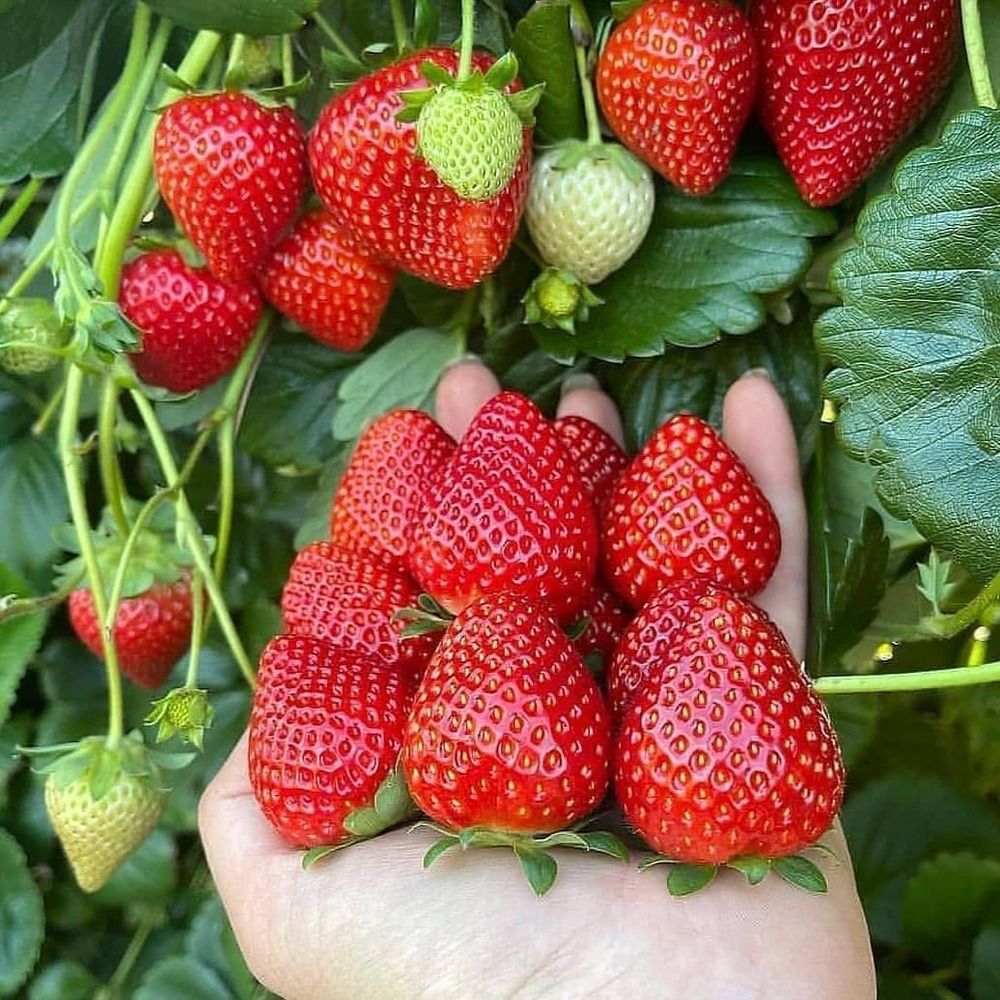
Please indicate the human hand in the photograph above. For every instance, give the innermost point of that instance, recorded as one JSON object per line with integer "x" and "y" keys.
{"x": 371, "y": 923}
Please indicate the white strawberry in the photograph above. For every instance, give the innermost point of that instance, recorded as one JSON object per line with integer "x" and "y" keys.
{"x": 589, "y": 207}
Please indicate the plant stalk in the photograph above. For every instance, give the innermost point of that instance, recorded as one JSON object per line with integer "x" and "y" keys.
{"x": 331, "y": 33}
{"x": 920, "y": 680}
{"x": 975, "y": 51}
{"x": 21, "y": 204}
{"x": 468, "y": 38}
{"x": 107, "y": 449}
{"x": 399, "y": 26}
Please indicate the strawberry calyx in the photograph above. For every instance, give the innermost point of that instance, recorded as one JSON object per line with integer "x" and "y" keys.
{"x": 686, "y": 878}
{"x": 532, "y": 850}
{"x": 468, "y": 130}
{"x": 427, "y": 617}
{"x": 574, "y": 151}
{"x": 185, "y": 712}
{"x": 557, "y": 299}
{"x": 391, "y": 806}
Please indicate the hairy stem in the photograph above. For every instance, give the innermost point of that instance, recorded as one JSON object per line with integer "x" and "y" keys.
{"x": 975, "y": 50}
{"x": 31, "y": 605}
{"x": 468, "y": 35}
{"x": 288, "y": 64}
{"x": 921, "y": 680}
{"x": 111, "y": 477}
{"x": 197, "y": 631}
{"x": 21, "y": 204}
{"x": 589, "y": 105}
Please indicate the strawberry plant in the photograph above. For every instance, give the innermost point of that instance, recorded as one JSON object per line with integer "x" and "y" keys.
{"x": 242, "y": 242}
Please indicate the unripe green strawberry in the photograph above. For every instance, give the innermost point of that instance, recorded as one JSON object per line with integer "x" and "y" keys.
{"x": 589, "y": 208}
{"x": 102, "y": 803}
{"x": 184, "y": 711}
{"x": 33, "y": 330}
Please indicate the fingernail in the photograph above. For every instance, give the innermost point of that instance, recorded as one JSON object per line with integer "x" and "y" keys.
{"x": 578, "y": 380}
{"x": 761, "y": 372}
{"x": 465, "y": 359}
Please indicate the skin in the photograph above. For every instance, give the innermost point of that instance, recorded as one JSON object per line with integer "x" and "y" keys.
{"x": 370, "y": 923}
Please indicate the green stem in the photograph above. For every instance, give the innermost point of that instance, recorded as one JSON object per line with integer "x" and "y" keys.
{"x": 193, "y": 535}
{"x": 921, "y": 680}
{"x": 399, "y": 26}
{"x": 21, "y": 205}
{"x": 236, "y": 51}
{"x": 287, "y": 64}
{"x": 111, "y": 476}
{"x": 129, "y": 958}
{"x": 128, "y": 208}
{"x": 198, "y": 629}
{"x": 949, "y": 625}
{"x": 328, "y": 29}
{"x": 227, "y": 495}
{"x": 975, "y": 50}
{"x": 589, "y": 105}
{"x": 39, "y": 427}
{"x": 31, "y": 605}
{"x": 468, "y": 35}
{"x": 73, "y": 475}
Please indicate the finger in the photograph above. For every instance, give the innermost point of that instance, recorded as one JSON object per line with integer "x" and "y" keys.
{"x": 463, "y": 388}
{"x": 583, "y": 397}
{"x": 756, "y": 426}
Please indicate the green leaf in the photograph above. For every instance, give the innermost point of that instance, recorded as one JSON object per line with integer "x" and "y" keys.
{"x": 936, "y": 583}
{"x": 539, "y": 867}
{"x": 438, "y": 848}
{"x": 684, "y": 879}
{"x": 800, "y": 872}
{"x": 649, "y": 391}
{"x": 19, "y": 640}
{"x": 754, "y": 868}
{"x": 544, "y": 48}
{"x": 985, "y": 968}
{"x": 945, "y": 902}
{"x": 22, "y": 918}
{"x": 291, "y": 406}
{"x": 181, "y": 977}
{"x": 149, "y": 874}
{"x": 915, "y": 341}
{"x": 63, "y": 980}
{"x": 246, "y": 17}
{"x": 211, "y": 941}
{"x": 704, "y": 267}
{"x": 43, "y": 62}
{"x": 33, "y": 499}
{"x": 402, "y": 373}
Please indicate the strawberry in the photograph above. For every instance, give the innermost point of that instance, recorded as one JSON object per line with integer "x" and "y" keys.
{"x": 507, "y": 513}
{"x": 102, "y": 802}
{"x": 31, "y": 334}
{"x": 326, "y": 282}
{"x": 325, "y": 732}
{"x": 367, "y": 172}
{"x": 509, "y": 736}
{"x": 843, "y": 82}
{"x": 152, "y": 629}
{"x": 194, "y": 327}
{"x": 676, "y": 82}
{"x": 687, "y": 507}
{"x": 608, "y": 618}
{"x": 596, "y": 456}
{"x": 380, "y": 491}
{"x": 726, "y": 754}
{"x": 349, "y": 600}
{"x": 589, "y": 208}
{"x": 646, "y": 644}
{"x": 233, "y": 173}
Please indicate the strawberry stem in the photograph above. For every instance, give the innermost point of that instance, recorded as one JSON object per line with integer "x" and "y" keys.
{"x": 918, "y": 680}
{"x": 583, "y": 36}
{"x": 20, "y": 205}
{"x": 399, "y": 26}
{"x": 468, "y": 35}
{"x": 39, "y": 427}
{"x": 197, "y": 631}
{"x": 331, "y": 33}
{"x": 949, "y": 625}
{"x": 975, "y": 51}
{"x": 288, "y": 64}
{"x": 111, "y": 474}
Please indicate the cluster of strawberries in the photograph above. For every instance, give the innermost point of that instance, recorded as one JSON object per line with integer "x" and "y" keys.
{"x": 559, "y": 559}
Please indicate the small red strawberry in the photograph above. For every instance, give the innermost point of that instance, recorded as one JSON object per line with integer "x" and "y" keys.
{"x": 843, "y": 82}
{"x": 349, "y": 600}
{"x": 676, "y": 82}
{"x": 509, "y": 735}
{"x": 726, "y": 754}
{"x": 608, "y": 619}
{"x": 152, "y": 629}
{"x": 647, "y": 643}
{"x": 325, "y": 733}
{"x": 507, "y": 513}
{"x": 687, "y": 507}
{"x": 367, "y": 172}
{"x": 326, "y": 282}
{"x": 233, "y": 173}
{"x": 194, "y": 327}
{"x": 380, "y": 492}
{"x": 596, "y": 456}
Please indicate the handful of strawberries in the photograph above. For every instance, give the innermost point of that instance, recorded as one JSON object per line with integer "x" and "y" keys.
{"x": 441, "y": 650}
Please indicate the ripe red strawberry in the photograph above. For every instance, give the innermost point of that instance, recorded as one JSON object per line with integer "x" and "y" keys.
{"x": 380, "y": 492}
{"x": 233, "y": 173}
{"x": 596, "y": 456}
{"x": 152, "y": 629}
{"x": 508, "y": 730}
{"x": 507, "y": 513}
{"x": 843, "y": 82}
{"x": 609, "y": 618}
{"x": 325, "y": 281}
{"x": 349, "y": 600}
{"x": 687, "y": 507}
{"x": 325, "y": 733}
{"x": 194, "y": 327}
{"x": 726, "y": 751}
{"x": 366, "y": 170}
{"x": 676, "y": 82}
